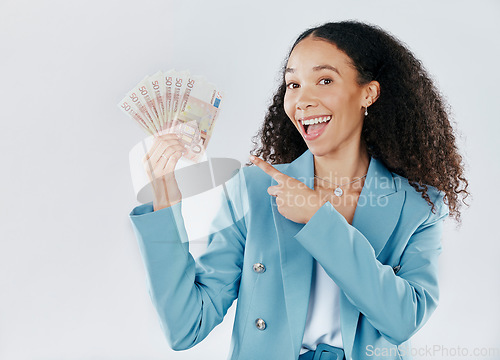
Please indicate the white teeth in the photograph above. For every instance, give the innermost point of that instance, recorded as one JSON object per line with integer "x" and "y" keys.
{"x": 316, "y": 120}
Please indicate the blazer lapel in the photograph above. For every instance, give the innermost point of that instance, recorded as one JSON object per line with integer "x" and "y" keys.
{"x": 377, "y": 213}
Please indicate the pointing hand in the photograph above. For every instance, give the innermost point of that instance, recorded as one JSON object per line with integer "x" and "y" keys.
{"x": 295, "y": 200}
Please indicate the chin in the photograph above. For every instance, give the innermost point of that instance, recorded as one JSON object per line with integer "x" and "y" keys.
{"x": 320, "y": 149}
{"x": 317, "y": 151}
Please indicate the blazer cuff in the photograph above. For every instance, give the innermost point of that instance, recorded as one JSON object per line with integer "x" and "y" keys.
{"x": 161, "y": 225}
{"x": 321, "y": 224}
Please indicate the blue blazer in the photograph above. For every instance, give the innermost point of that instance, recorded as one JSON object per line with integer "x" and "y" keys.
{"x": 385, "y": 265}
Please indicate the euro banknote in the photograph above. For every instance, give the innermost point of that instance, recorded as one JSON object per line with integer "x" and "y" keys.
{"x": 176, "y": 102}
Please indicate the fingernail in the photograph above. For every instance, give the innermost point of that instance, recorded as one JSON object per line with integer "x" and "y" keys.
{"x": 252, "y": 158}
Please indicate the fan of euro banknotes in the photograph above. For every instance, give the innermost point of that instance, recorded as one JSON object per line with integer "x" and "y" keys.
{"x": 176, "y": 102}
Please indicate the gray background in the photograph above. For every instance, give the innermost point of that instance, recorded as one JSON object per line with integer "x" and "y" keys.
{"x": 72, "y": 284}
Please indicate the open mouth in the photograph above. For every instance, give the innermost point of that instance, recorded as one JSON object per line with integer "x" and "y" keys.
{"x": 312, "y": 127}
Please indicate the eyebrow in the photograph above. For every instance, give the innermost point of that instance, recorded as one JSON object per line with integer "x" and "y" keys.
{"x": 315, "y": 68}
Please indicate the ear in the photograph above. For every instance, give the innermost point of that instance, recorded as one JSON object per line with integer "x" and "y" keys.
{"x": 371, "y": 93}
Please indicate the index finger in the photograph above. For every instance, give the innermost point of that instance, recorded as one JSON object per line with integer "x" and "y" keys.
{"x": 268, "y": 169}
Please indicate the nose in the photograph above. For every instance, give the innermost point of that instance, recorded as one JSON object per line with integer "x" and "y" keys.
{"x": 306, "y": 99}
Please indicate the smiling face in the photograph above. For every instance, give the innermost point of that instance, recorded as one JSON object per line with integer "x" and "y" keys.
{"x": 323, "y": 98}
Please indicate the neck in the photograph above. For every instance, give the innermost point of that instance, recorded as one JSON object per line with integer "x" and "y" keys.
{"x": 342, "y": 168}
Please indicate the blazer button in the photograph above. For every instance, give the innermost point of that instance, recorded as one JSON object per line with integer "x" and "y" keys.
{"x": 259, "y": 268}
{"x": 261, "y": 324}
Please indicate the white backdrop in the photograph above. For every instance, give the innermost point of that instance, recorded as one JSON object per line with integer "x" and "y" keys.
{"x": 72, "y": 284}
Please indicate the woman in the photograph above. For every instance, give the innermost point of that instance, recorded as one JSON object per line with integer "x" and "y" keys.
{"x": 331, "y": 251}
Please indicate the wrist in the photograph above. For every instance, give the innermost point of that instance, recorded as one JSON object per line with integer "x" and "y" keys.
{"x": 159, "y": 204}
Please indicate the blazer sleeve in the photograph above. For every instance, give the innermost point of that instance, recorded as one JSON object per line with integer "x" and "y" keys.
{"x": 396, "y": 305}
{"x": 191, "y": 297}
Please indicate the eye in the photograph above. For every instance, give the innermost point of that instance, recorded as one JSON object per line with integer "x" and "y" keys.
{"x": 292, "y": 85}
{"x": 325, "y": 81}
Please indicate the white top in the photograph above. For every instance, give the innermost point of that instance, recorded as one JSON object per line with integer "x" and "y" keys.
{"x": 323, "y": 315}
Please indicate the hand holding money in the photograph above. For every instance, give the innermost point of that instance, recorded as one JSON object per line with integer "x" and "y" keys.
{"x": 159, "y": 164}
{"x": 176, "y": 102}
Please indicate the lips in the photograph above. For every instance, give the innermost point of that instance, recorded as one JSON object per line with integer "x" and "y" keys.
{"x": 312, "y": 127}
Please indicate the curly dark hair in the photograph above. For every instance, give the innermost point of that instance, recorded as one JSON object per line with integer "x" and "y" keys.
{"x": 408, "y": 127}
